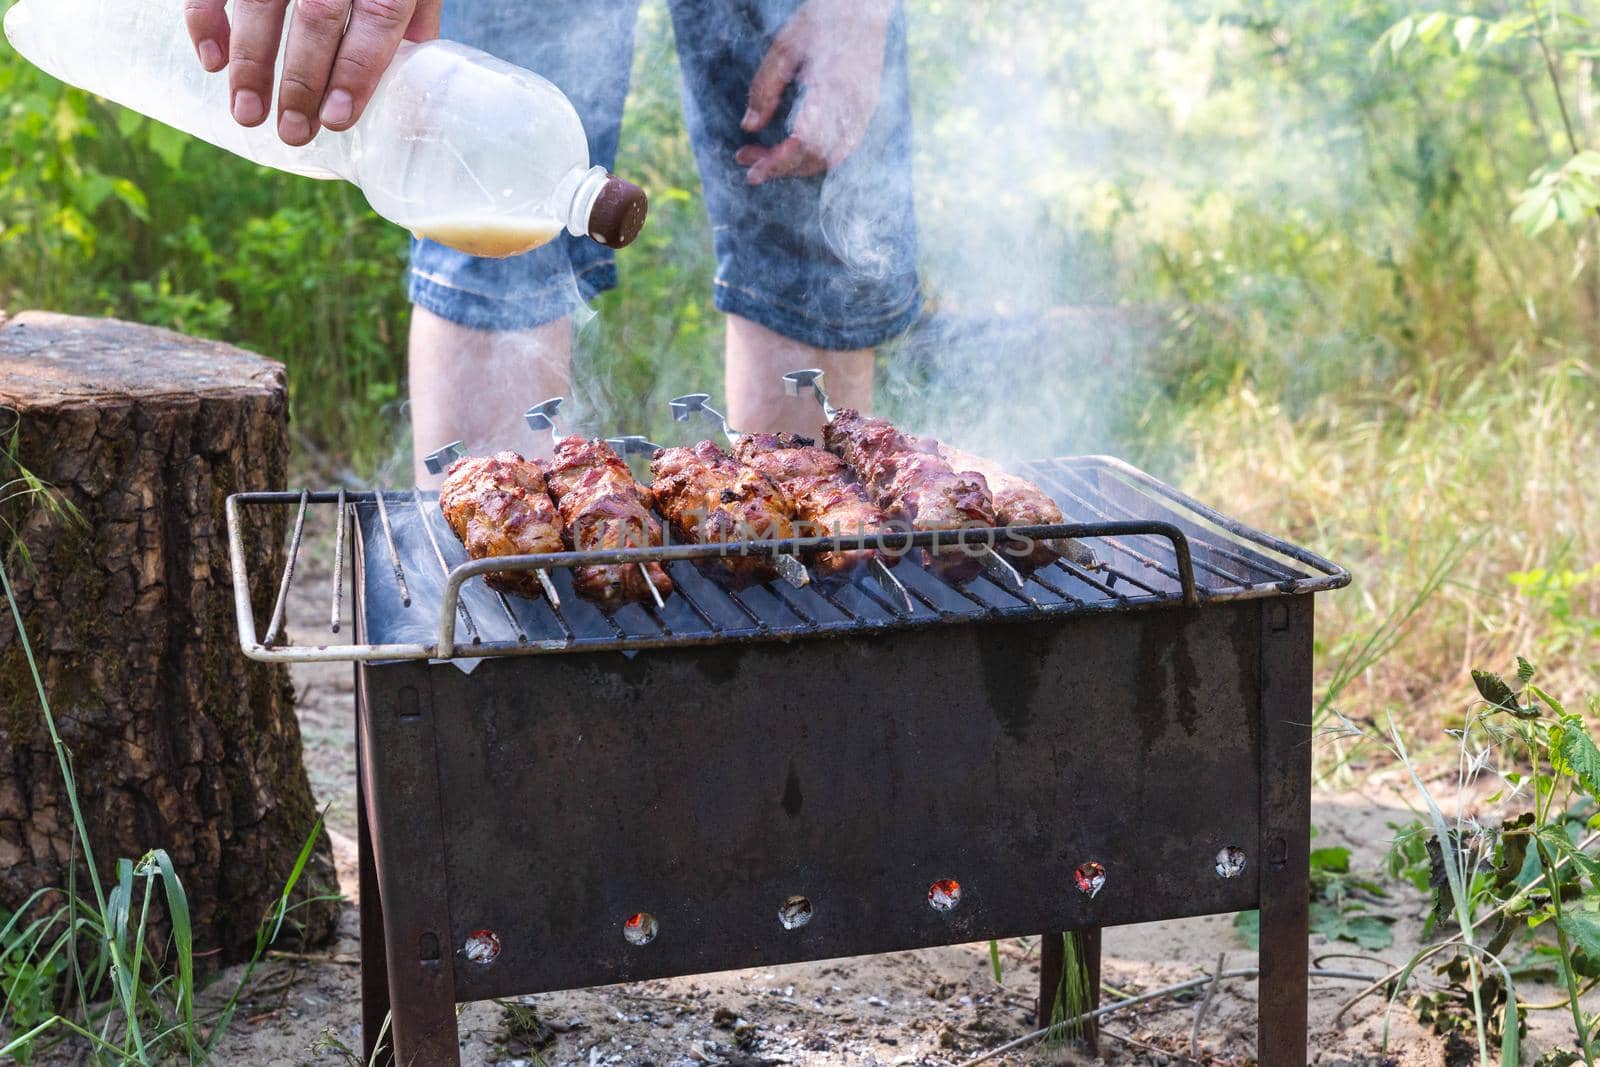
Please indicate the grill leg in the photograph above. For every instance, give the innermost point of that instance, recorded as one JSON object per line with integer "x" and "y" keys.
{"x": 374, "y": 958}
{"x": 406, "y": 832}
{"x": 1052, "y": 963}
{"x": 1283, "y": 870}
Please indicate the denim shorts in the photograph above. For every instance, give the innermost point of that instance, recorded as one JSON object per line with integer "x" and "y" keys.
{"x": 829, "y": 261}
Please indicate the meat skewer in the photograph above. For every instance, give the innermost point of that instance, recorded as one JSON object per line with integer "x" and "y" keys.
{"x": 1017, "y": 502}
{"x": 825, "y": 494}
{"x": 791, "y": 569}
{"x": 822, "y": 488}
{"x": 498, "y": 506}
{"x": 603, "y": 506}
{"x": 908, "y": 484}
{"x": 711, "y": 498}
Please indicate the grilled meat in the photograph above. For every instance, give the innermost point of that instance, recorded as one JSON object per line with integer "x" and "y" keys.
{"x": 826, "y": 496}
{"x": 912, "y": 485}
{"x": 603, "y": 507}
{"x": 711, "y": 498}
{"x": 907, "y": 482}
{"x": 498, "y": 505}
{"x": 1017, "y": 502}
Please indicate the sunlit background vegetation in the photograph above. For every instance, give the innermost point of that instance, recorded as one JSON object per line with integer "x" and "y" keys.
{"x": 1266, "y": 250}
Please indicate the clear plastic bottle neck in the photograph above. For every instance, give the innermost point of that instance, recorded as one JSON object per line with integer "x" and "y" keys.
{"x": 575, "y": 196}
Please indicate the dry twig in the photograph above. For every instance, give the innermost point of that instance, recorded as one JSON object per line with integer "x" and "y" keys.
{"x": 1142, "y": 998}
{"x": 1205, "y": 1006}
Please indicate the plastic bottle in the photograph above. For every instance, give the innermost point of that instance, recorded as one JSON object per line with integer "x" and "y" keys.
{"x": 455, "y": 144}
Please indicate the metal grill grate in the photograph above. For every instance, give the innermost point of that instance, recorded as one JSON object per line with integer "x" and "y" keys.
{"x": 422, "y": 599}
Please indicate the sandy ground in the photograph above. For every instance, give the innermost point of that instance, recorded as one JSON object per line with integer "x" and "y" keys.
{"x": 940, "y": 1006}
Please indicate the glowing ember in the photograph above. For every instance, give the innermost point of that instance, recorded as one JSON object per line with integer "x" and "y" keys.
{"x": 1230, "y": 862}
{"x": 944, "y": 894}
{"x": 1091, "y": 878}
{"x": 640, "y": 929}
{"x": 795, "y": 913}
{"x": 483, "y": 946}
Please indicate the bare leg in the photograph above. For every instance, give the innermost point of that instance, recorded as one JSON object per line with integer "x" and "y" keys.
{"x": 473, "y": 385}
{"x": 757, "y": 360}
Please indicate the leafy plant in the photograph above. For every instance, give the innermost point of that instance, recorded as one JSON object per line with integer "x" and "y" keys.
{"x": 1568, "y": 602}
{"x": 1526, "y": 877}
{"x": 1341, "y": 905}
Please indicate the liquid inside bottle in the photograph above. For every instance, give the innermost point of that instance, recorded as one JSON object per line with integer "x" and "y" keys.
{"x": 490, "y": 238}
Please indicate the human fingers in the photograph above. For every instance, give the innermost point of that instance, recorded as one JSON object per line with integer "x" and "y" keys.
{"x": 424, "y": 21}
{"x": 778, "y": 68}
{"x": 375, "y": 31}
{"x": 314, "y": 34}
{"x": 208, "y": 29}
{"x": 790, "y": 158}
{"x": 252, "y": 55}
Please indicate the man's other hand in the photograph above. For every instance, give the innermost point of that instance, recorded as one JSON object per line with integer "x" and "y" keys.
{"x": 337, "y": 50}
{"x": 833, "y": 49}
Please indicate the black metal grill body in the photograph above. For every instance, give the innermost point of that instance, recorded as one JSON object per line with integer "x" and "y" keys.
{"x": 853, "y": 756}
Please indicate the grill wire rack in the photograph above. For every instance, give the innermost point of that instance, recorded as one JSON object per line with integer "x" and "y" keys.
{"x": 420, "y": 599}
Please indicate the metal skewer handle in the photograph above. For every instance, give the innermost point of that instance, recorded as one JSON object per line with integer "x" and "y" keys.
{"x": 542, "y": 416}
{"x": 699, "y": 403}
{"x": 442, "y": 459}
{"x": 798, "y": 381}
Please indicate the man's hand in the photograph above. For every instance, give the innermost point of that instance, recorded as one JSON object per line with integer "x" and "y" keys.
{"x": 337, "y": 51}
{"x": 834, "y": 50}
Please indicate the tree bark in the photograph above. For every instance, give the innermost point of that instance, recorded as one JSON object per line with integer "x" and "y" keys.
{"x": 178, "y": 742}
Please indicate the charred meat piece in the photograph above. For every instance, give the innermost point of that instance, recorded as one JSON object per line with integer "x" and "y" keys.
{"x": 711, "y": 498}
{"x": 499, "y": 506}
{"x": 1017, "y": 502}
{"x": 912, "y": 485}
{"x": 904, "y": 480}
{"x": 827, "y": 497}
{"x": 603, "y": 507}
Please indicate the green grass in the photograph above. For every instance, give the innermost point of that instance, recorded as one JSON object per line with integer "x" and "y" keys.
{"x": 1485, "y": 472}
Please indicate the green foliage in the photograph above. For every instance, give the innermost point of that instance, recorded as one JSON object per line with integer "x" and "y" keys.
{"x": 1567, "y": 599}
{"x": 105, "y": 212}
{"x": 1527, "y": 878}
{"x": 1074, "y": 997}
{"x": 1341, "y": 905}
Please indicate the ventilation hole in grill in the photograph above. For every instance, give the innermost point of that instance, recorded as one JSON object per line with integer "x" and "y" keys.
{"x": 1091, "y": 878}
{"x": 483, "y": 946}
{"x": 944, "y": 894}
{"x": 795, "y": 913}
{"x": 1230, "y": 862}
{"x": 641, "y": 928}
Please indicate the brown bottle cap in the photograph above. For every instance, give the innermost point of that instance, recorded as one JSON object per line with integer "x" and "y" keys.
{"x": 618, "y": 213}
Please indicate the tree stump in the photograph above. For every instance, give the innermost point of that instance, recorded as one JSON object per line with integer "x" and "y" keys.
{"x": 178, "y": 741}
